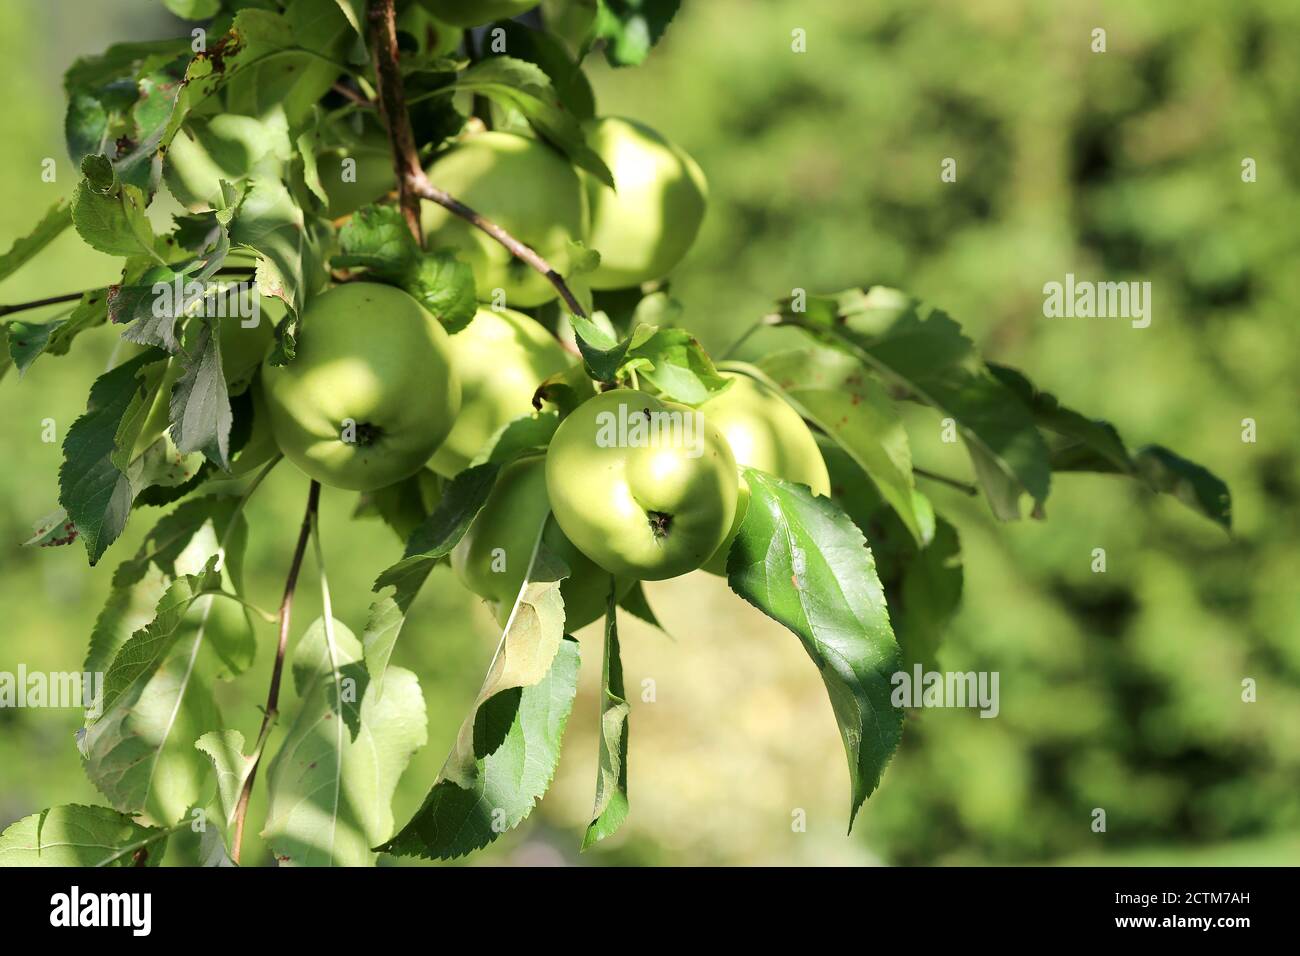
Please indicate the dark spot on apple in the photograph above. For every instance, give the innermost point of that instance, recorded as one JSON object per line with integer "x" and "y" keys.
{"x": 367, "y": 434}
{"x": 660, "y": 523}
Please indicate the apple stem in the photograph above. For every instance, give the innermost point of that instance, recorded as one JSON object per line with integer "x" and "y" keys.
{"x": 273, "y": 695}
{"x": 412, "y": 183}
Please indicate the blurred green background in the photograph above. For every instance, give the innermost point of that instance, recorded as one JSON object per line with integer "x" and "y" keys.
{"x": 1119, "y": 690}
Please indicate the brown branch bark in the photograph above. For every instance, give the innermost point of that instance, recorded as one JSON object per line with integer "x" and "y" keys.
{"x": 392, "y": 108}
{"x": 352, "y": 95}
{"x": 277, "y": 670}
{"x": 37, "y": 303}
{"x": 413, "y": 185}
{"x": 74, "y": 296}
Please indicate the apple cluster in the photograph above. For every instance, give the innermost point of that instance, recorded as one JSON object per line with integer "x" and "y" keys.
{"x": 379, "y": 391}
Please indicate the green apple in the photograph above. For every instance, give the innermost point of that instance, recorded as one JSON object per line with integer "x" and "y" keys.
{"x": 349, "y": 187}
{"x": 764, "y": 432}
{"x": 245, "y": 341}
{"x": 493, "y": 557}
{"x": 644, "y": 487}
{"x": 371, "y": 393}
{"x": 473, "y": 13}
{"x": 525, "y": 187}
{"x": 368, "y": 177}
{"x": 644, "y": 226}
{"x": 501, "y": 357}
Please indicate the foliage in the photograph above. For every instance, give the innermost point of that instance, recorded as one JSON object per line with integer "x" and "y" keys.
{"x": 866, "y": 363}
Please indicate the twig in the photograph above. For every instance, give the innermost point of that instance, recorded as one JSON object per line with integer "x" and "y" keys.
{"x": 427, "y": 190}
{"x": 74, "y": 296}
{"x": 413, "y": 185}
{"x": 962, "y": 486}
{"x": 392, "y": 109}
{"x": 766, "y": 320}
{"x": 349, "y": 93}
{"x": 37, "y": 303}
{"x": 273, "y": 695}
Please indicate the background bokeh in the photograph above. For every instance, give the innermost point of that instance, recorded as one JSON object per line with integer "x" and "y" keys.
{"x": 1119, "y": 690}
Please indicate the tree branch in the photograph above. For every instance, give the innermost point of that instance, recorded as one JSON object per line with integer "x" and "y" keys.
{"x": 37, "y": 303}
{"x": 961, "y": 486}
{"x": 392, "y": 109}
{"x": 74, "y": 296}
{"x": 273, "y": 695}
{"x": 413, "y": 185}
{"x": 352, "y": 95}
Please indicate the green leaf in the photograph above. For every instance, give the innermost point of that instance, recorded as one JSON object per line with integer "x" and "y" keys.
{"x": 522, "y": 86}
{"x": 377, "y": 238}
{"x": 122, "y": 61}
{"x": 631, "y": 28}
{"x": 928, "y": 597}
{"x": 602, "y": 351}
{"x": 923, "y": 584}
{"x": 802, "y": 562}
{"x": 291, "y": 250}
{"x": 199, "y": 412}
{"x": 527, "y": 433}
{"x": 671, "y": 359}
{"x": 330, "y": 794}
{"x": 226, "y": 751}
{"x": 1199, "y": 489}
{"x": 153, "y": 302}
{"x": 921, "y": 350}
{"x": 120, "y": 104}
{"x": 27, "y": 340}
{"x": 77, "y": 835}
{"x": 94, "y": 491}
{"x": 56, "y": 219}
{"x": 444, "y": 285}
{"x": 611, "y": 780}
{"x": 139, "y": 751}
{"x": 403, "y": 505}
{"x": 675, "y": 363}
{"x": 835, "y": 393}
{"x": 52, "y": 531}
{"x": 226, "y": 147}
{"x": 636, "y": 604}
{"x": 142, "y": 654}
{"x": 572, "y": 88}
{"x": 291, "y": 61}
{"x": 1090, "y": 444}
{"x": 193, "y": 9}
{"x": 454, "y": 821}
{"x": 461, "y": 502}
{"x": 110, "y": 215}
{"x": 565, "y": 390}
{"x": 528, "y": 645}
{"x": 56, "y": 337}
